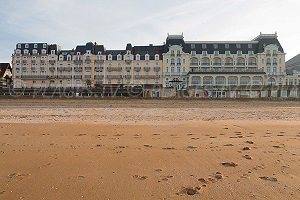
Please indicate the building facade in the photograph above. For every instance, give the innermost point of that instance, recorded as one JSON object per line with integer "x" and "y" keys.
{"x": 254, "y": 68}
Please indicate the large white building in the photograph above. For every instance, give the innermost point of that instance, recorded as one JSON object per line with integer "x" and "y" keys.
{"x": 254, "y": 68}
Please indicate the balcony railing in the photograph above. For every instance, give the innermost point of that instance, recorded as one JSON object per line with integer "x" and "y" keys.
{"x": 87, "y": 77}
{"x": 156, "y": 69}
{"x": 88, "y": 61}
{"x": 98, "y": 69}
{"x": 228, "y": 64}
{"x": 33, "y": 76}
{"x": 52, "y": 62}
{"x": 114, "y": 76}
{"x": 127, "y": 76}
{"x": 147, "y": 69}
{"x": 137, "y": 69}
{"x": 78, "y": 69}
{"x": 217, "y": 64}
{"x": 100, "y": 61}
{"x": 252, "y": 64}
{"x": 194, "y": 64}
{"x": 205, "y": 64}
{"x": 78, "y": 62}
{"x": 52, "y": 68}
{"x": 98, "y": 76}
{"x": 77, "y": 76}
{"x": 241, "y": 64}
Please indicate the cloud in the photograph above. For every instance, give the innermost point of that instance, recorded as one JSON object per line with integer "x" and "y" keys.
{"x": 115, "y": 23}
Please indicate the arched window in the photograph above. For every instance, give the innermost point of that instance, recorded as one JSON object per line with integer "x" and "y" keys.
{"x": 240, "y": 61}
{"x": 245, "y": 80}
{"x": 257, "y": 80}
{"x": 252, "y": 61}
{"x": 172, "y": 61}
{"x": 207, "y": 80}
{"x": 194, "y": 61}
{"x": 232, "y": 80}
{"x": 205, "y": 61}
{"x": 178, "y": 61}
{"x": 217, "y": 61}
{"x": 220, "y": 80}
{"x": 228, "y": 61}
{"x": 196, "y": 80}
{"x": 137, "y": 57}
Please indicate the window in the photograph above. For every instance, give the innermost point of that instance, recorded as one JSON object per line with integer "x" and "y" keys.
{"x": 193, "y": 53}
{"x": 109, "y": 57}
{"x": 52, "y": 52}
{"x": 35, "y": 46}
{"x": 238, "y": 46}
{"x": 192, "y": 46}
{"x": 172, "y": 53}
{"x": 44, "y": 46}
{"x": 19, "y": 46}
{"x": 178, "y": 69}
{"x": 78, "y": 53}
{"x": 88, "y": 52}
{"x": 34, "y": 51}
{"x": 172, "y": 61}
{"x": 239, "y": 53}
{"x": 119, "y": 57}
{"x": 147, "y": 57}
{"x": 172, "y": 69}
{"x": 251, "y": 53}
{"x": 26, "y": 46}
{"x": 250, "y": 46}
{"x": 203, "y": 46}
{"x": 204, "y": 53}
{"x": 216, "y": 53}
{"x": 156, "y": 57}
{"x": 178, "y": 61}
{"x": 215, "y": 46}
{"x": 226, "y": 46}
{"x": 227, "y": 53}
{"x": 137, "y": 57}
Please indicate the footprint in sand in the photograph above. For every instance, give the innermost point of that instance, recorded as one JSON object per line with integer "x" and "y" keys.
{"x": 2, "y": 192}
{"x": 82, "y": 134}
{"x": 229, "y": 164}
{"x": 139, "y": 177}
{"x": 267, "y": 178}
{"x": 189, "y": 191}
{"x": 249, "y": 142}
{"x": 147, "y": 145}
{"x": 246, "y": 149}
{"x": 248, "y": 157}
{"x": 168, "y": 148}
{"x": 228, "y": 145}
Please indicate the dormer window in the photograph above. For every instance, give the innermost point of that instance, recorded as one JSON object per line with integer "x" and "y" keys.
{"x": 227, "y": 53}
{"x": 69, "y": 58}
{"x": 61, "y": 57}
{"x": 43, "y": 51}
{"x": 99, "y": 52}
{"x": 192, "y": 46}
{"x": 203, "y": 46}
{"x": 119, "y": 57}
{"x": 35, "y": 46}
{"x": 128, "y": 52}
{"x": 25, "y": 51}
{"x": 216, "y": 53}
{"x": 156, "y": 57}
{"x": 215, "y": 46}
{"x": 147, "y": 57}
{"x": 239, "y": 53}
{"x": 251, "y": 53}
{"x": 44, "y": 46}
{"x": 88, "y": 52}
{"x": 193, "y": 53}
{"x": 19, "y": 46}
{"x": 226, "y": 46}
{"x": 52, "y": 52}
{"x": 18, "y": 51}
{"x": 204, "y": 53}
{"x": 34, "y": 51}
{"x": 78, "y": 53}
{"x": 137, "y": 57}
{"x": 26, "y": 46}
{"x": 109, "y": 57}
{"x": 238, "y": 46}
{"x": 250, "y": 46}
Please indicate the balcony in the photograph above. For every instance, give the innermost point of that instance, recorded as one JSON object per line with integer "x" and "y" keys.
{"x": 52, "y": 62}
{"x": 98, "y": 77}
{"x": 228, "y": 64}
{"x": 137, "y": 76}
{"x": 147, "y": 69}
{"x": 77, "y": 76}
{"x": 205, "y": 64}
{"x": 68, "y": 69}
{"x": 174, "y": 74}
{"x": 194, "y": 64}
{"x": 78, "y": 69}
{"x": 78, "y": 62}
{"x": 51, "y": 77}
{"x": 60, "y": 69}
{"x": 24, "y": 62}
{"x": 252, "y": 64}
{"x": 217, "y": 64}
{"x": 98, "y": 69}
{"x": 88, "y": 61}
{"x": 87, "y": 68}
{"x": 156, "y": 69}
{"x": 128, "y": 68}
{"x": 127, "y": 76}
{"x": 99, "y": 61}
{"x": 33, "y": 76}
{"x": 52, "y": 69}
{"x": 64, "y": 76}
{"x": 240, "y": 64}
{"x": 114, "y": 76}
{"x": 87, "y": 77}
{"x": 137, "y": 69}
{"x": 269, "y": 64}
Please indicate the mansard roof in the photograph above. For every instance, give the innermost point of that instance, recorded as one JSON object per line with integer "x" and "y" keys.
{"x": 31, "y": 47}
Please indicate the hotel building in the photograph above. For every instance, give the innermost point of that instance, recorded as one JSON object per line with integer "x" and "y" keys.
{"x": 254, "y": 68}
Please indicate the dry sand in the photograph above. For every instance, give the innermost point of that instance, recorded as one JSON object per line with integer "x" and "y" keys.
{"x": 149, "y": 149}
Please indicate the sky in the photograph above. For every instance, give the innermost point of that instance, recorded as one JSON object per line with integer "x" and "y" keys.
{"x": 114, "y": 23}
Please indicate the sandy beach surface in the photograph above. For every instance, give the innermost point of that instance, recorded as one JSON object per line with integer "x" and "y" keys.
{"x": 66, "y": 149}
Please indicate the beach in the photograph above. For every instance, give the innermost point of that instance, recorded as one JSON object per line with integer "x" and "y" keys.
{"x": 149, "y": 149}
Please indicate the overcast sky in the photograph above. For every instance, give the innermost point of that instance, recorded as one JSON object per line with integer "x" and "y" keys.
{"x": 115, "y": 23}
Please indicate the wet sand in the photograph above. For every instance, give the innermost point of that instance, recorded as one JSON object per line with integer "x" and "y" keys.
{"x": 149, "y": 149}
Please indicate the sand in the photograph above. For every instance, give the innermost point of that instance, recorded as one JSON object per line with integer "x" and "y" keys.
{"x": 149, "y": 149}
